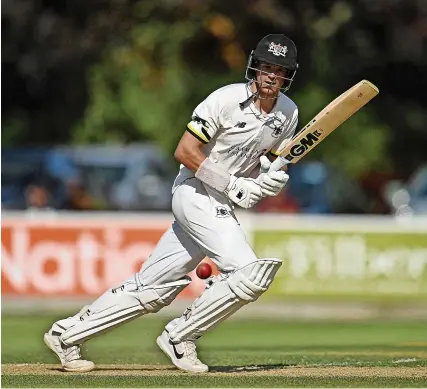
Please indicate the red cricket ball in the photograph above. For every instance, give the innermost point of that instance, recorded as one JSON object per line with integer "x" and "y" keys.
{"x": 204, "y": 270}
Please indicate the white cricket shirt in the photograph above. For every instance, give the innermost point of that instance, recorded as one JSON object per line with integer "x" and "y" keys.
{"x": 236, "y": 134}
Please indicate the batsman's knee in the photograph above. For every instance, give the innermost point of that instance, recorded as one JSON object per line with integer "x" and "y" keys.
{"x": 225, "y": 295}
{"x": 155, "y": 297}
{"x": 253, "y": 279}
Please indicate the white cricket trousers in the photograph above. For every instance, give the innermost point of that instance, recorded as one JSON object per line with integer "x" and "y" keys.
{"x": 205, "y": 225}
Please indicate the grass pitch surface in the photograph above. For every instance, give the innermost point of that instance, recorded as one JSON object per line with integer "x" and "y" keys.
{"x": 249, "y": 353}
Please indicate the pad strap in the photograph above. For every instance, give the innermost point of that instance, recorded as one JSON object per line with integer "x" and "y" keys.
{"x": 118, "y": 306}
{"x": 226, "y": 295}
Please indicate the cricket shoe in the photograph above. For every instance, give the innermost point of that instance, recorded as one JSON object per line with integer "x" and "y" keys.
{"x": 69, "y": 356}
{"x": 183, "y": 355}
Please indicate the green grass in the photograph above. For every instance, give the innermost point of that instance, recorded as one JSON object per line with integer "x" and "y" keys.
{"x": 205, "y": 382}
{"x": 258, "y": 344}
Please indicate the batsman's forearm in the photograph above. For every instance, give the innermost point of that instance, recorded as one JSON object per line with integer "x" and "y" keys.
{"x": 189, "y": 155}
{"x": 192, "y": 161}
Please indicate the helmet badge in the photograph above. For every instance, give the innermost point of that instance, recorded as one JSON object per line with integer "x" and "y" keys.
{"x": 278, "y": 49}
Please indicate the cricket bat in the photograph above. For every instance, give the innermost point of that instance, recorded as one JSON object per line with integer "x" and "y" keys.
{"x": 325, "y": 122}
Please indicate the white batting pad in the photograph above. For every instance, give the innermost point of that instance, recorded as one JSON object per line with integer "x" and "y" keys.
{"x": 120, "y": 305}
{"x": 226, "y": 295}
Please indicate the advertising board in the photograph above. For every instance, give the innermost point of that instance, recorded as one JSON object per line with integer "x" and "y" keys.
{"x": 82, "y": 255}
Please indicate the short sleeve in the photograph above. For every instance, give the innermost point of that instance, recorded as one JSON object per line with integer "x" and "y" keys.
{"x": 287, "y": 135}
{"x": 206, "y": 120}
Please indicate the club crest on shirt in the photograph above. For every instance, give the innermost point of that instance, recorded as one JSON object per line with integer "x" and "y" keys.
{"x": 277, "y": 131}
{"x": 221, "y": 211}
{"x": 278, "y": 124}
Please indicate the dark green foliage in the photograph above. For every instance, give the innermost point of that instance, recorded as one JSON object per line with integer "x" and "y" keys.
{"x": 125, "y": 71}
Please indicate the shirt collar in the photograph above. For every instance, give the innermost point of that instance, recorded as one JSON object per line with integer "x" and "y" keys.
{"x": 249, "y": 106}
{"x": 249, "y": 97}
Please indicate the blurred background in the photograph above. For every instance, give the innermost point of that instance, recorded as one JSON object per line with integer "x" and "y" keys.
{"x": 96, "y": 95}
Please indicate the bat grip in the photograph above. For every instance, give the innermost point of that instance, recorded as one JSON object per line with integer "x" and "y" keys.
{"x": 278, "y": 163}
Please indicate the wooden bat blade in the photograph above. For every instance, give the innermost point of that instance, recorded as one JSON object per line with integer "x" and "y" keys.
{"x": 325, "y": 122}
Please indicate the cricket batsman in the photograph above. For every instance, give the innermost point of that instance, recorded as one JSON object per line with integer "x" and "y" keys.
{"x": 231, "y": 133}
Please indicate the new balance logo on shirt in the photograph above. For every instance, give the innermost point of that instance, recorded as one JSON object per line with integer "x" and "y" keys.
{"x": 240, "y": 125}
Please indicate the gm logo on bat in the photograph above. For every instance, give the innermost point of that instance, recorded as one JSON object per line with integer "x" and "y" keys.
{"x": 304, "y": 144}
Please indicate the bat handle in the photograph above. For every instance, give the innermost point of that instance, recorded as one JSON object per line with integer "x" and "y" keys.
{"x": 278, "y": 164}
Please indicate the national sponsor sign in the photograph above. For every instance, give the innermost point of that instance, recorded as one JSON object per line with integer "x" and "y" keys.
{"x": 76, "y": 256}
{"x": 82, "y": 255}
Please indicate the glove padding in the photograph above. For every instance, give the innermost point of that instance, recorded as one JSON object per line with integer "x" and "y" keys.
{"x": 271, "y": 183}
{"x": 245, "y": 192}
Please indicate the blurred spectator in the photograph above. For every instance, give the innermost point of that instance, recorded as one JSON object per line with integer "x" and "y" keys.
{"x": 139, "y": 177}
{"x": 37, "y": 197}
{"x": 374, "y": 183}
{"x": 408, "y": 197}
{"x": 77, "y": 198}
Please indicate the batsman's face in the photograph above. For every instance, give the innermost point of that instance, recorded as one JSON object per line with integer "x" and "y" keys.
{"x": 270, "y": 78}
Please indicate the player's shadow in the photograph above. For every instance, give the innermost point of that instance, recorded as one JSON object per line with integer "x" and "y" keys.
{"x": 118, "y": 368}
{"x": 212, "y": 369}
{"x": 138, "y": 368}
{"x": 248, "y": 368}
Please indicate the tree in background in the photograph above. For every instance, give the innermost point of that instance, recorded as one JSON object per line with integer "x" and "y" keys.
{"x": 123, "y": 71}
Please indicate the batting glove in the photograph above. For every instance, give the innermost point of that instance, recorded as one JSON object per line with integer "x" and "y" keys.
{"x": 245, "y": 192}
{"x": 271, "y": 183}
